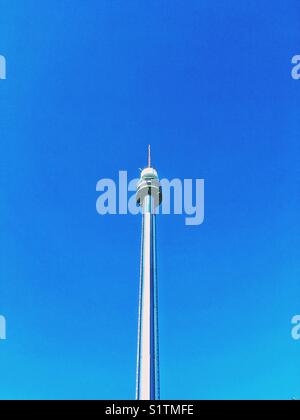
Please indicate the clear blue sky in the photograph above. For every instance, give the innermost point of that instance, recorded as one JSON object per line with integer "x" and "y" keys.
{"x": 90, "y": 84}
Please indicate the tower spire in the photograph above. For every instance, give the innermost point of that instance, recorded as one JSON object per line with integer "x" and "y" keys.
{"x": 149, "y": 156}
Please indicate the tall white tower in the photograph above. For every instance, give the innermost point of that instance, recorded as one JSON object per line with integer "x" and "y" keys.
{"x": 149, "y": 197}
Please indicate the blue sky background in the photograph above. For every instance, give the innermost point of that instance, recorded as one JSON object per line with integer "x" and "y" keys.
{"x": 208, "y": 84}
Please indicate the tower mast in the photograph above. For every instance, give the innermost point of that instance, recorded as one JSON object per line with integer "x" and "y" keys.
{"x": 149, "y": 156}
{"x": 149, "y": 197}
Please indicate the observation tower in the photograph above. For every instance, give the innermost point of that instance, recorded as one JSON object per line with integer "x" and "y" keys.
{"x": 149, "y": 197}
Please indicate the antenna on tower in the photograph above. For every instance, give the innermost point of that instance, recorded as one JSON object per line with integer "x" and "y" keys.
{"x": 149, "y": 156}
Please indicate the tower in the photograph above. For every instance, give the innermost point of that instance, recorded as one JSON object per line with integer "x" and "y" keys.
{"x": 149, "y": 197}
